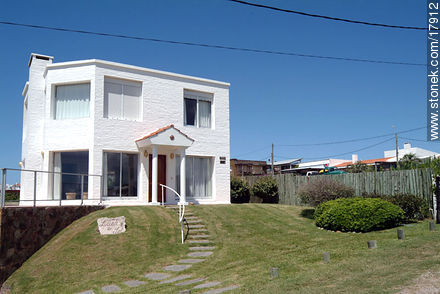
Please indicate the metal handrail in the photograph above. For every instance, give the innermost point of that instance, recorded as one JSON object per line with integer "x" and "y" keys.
{"x": 181, "y": 208}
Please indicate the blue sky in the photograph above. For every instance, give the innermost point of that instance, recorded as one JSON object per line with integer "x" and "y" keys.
{"x": 273, "y": 99}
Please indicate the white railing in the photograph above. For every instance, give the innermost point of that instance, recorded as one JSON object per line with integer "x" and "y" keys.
{"x": 181, "y": 207}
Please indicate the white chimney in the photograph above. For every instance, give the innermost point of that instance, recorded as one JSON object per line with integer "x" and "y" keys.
{"x": 354, "y": 158}
{"x": 407, "y": 146}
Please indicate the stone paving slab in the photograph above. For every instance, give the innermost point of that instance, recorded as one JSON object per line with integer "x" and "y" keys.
{"x": 196, "y": 226}
{"x": 190, "y": 282}
{"x": 86, "y": 292}
{"x": 134, "y": 283}
{"x": 110, "y": 289}
{"x": 206, "y": 285}
{"x": 194, "y": 221}
{"x": 191, "y": 260}
{"x": 197, "y": 230}
{"x": 177, "y": 267}
{"x": 200, "y": 241}
{"x": 201, "y": 248}
{"x": 192, "y": 217}
{"x": 221, "y": 290}
{"x": 157, "y": 276}
{"x": 175, "y": 279}
{"x": 199, "y": 236}
{"x": 200, "y": 254}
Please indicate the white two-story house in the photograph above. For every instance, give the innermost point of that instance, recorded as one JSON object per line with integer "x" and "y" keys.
{"x": 128, "y": 129}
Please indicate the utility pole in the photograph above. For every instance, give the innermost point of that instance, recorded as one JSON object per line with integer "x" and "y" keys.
{"x": 271, "y": 160}
{"x": 397, "y": 151}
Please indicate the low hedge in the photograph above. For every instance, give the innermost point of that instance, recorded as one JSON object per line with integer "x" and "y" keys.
{"x": 266, "y": 188}
{"x": 240, "y": 192}
{"x": 415, "y": 207}
{"x": 358, "y": 215}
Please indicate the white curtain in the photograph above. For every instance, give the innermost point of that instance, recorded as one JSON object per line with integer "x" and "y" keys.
{"x": 72, "y": 101}
{"x": 131, "y": 102}
{"x": 199, "y": 177}
{"x": 113, "y": 100}
{"x": 122, "y": 101}
{"x": 204, "y": 114}
{"x": 57, "y": 177}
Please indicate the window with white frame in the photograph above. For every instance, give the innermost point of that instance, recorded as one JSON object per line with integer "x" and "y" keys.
{"x": 197, "y": 109}
{"x": 120, "y": 174}
{"x": 198, "y": 172}
{"x": 72, "y": 101}
{"x": 122, "y": 99}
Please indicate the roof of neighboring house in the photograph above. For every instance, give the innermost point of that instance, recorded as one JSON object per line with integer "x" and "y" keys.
{"x": 244, "y": 161}
{"x": 288, "y": 161}
{"x": 368, "y": 161}
{"x": 161, "y": 130}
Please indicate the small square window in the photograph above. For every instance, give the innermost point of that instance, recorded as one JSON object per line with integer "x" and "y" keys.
{"x": 197, "y": 109}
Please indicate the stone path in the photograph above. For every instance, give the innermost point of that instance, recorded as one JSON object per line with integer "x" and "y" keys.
{"x": 198, "y": 235}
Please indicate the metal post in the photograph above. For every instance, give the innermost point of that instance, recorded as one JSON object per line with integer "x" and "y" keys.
{"x": 35, "y": 188}
{"x": 162, "y": 195}
{"x": 102, "y": 189}
{"x": 3, "y": 195}
{"x": 61, "y": 194}
{"x": 437, "y": 199}
{"x": 82, "y": 189}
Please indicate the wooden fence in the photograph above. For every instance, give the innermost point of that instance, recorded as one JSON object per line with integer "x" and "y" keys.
{"x": 415, "y": 181}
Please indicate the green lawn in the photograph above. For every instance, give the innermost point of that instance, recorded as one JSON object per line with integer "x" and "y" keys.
{"x": 249, "y": 238}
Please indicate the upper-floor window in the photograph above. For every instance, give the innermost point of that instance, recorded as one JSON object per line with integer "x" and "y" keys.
{"x": 197, "y": 109}
{"x": 72, "y": 101}
{"x": 122, "y": 99}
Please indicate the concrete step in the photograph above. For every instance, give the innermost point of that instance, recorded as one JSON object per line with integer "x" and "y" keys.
{"x": 194, "y": 221}
{"x": 197, "y": 231}
{"x": 202, "y": 248}
{"x": 197, "y": 226}
{"x": 199, "y": 236}
{"x": 200, "y": 241}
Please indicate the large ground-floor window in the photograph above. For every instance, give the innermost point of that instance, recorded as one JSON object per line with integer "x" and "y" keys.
{"x": 120, "y": 172}
{"x": 70, "y": 184}
{"x": 198, "y": 177}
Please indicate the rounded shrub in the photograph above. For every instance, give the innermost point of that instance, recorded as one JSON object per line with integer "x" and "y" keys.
{"x": 358, "y": 215}
{"x": 266, "y": 188}
{"x": 321, "y": 189}
{"x": 240, "y": 192}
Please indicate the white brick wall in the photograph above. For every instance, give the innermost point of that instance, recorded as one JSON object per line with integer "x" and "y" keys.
{"x": 162, "y": 104}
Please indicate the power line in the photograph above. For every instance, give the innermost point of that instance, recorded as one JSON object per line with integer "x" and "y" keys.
{"x": 328, "y": 17}
{"x": 349, "y": 141}
{"x": 420, "y": 140}
{"x": 351, "y": 152}
{"x": 205, "y": 45}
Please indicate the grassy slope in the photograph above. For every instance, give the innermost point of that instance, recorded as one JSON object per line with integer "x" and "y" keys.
{"x": 249, "y": 239}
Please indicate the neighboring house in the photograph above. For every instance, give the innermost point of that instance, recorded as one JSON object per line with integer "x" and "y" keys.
{"x": 137, "y": 127}
{"x": 284, "y": 166}
{"x": 241, "y": 167}
{"x": 407, "y": 149}
{"x": 378, "y": 163}
{"x": 302, "y": 168}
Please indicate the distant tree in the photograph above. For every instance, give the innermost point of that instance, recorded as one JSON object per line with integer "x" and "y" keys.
{"x": 359, "y": 167}
{"x": 409, "y": 161}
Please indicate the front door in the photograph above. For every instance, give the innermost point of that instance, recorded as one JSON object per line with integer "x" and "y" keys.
{"x": 161, "y": 177}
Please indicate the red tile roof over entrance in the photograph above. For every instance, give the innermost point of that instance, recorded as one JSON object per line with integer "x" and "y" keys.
{"x": 162, "y": 130}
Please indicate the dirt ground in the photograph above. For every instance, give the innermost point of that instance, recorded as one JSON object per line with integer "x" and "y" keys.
{"x": 428, "y": 283}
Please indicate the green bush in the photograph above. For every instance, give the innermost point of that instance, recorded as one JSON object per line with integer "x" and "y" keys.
{"x": 266, "y": 188}
{"x": 321, "y": 189}
{"x": 240, "y": 192}
{"x": 358, "y": 215}
{"x": 415, "y": 207}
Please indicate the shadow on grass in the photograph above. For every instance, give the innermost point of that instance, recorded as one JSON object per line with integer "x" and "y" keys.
{"x": 308, "y": 213}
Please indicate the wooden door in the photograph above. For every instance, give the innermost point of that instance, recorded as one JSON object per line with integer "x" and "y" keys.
{"x": 161, "y": 176}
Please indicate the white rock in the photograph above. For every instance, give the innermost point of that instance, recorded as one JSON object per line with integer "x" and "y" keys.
{"x": 111, "y": 226}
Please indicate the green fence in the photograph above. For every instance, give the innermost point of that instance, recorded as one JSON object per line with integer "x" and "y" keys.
{"x": 415, "y": 181}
